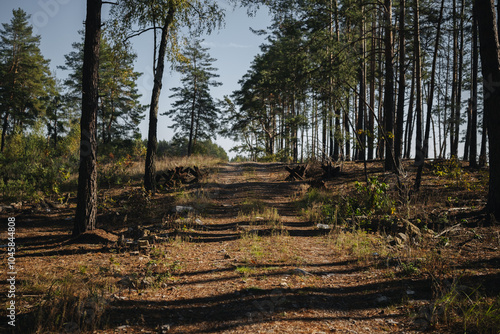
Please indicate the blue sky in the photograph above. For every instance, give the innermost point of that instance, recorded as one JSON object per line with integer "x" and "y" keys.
{"x": 234, "y": 47}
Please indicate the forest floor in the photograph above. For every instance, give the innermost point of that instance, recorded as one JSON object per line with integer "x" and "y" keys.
{"x": 247, "y": 256}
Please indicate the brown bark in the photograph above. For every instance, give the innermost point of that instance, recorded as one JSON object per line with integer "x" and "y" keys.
{"x": 150, "y": 168}
{"x": 419, "y": 152}
{"x": 86, "y": 209}
{"x": 398, "y": 143}
{"x": 473, "y": 126}
{"x": 360, "y": 127}
{"x": 433, "y": 83}
{"x": 5, "y": 126}
{"x": 389, "y": 88}
{"x": 490, "y": 61}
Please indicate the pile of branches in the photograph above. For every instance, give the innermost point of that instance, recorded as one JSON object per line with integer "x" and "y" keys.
{"x": 179, "y": 175}
{"x": 301, "y": 172}
{"x": 296, "y": 173}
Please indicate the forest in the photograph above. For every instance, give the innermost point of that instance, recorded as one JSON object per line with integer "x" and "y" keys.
{"x": 363, "y": 193}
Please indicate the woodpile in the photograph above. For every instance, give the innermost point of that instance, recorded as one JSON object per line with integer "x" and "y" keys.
{"x": 315, "y": 176}
{"x": 179, "y": 175}
{"x": 297, "y": 173}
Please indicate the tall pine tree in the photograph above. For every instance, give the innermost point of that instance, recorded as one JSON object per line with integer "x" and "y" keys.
{"x": 26, "y": 82}
{"x": 195, "y": 112}
{"x": 119, "y": 112}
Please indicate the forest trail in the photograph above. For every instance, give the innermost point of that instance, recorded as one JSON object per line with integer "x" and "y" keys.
{"x": 248, "y": 259}
{"x": 254, "y": 265}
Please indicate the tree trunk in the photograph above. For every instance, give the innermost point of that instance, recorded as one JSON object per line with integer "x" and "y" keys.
{"x": 458, "y": 103}
{"x": 371, "y": 118}
{"x": 454, "y": 85}
{"x": 150, "y": 168}
{"x": 409, "y": 120}
{"x": 360, "y": 127}
{"x": 490, "y": 62}
{"x": 473, "y": 127}
{"x": 347, "y": 152}
{"x": 191, "y": 122}
{"x": 468, "y": 131}
{"x": 430, "y": 98}
{"x": 398, "y": 144}
{"x": 86, "y": 209}
{"x": 5, "y": 126}
{"x": 389, "y": 89}
{"x": 419, "y": 152}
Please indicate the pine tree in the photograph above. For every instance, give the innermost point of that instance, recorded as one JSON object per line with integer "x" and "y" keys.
{"x": 489, "y": 47}
{"x": 195, "y": 112}
{"x": 26, "y": 82}
{"x": 119, "y": 112}
{"x": 166, "y": 17}
{"x": 86, "y": 208}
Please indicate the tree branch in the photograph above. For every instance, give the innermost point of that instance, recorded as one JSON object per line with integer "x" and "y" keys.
{"x": 140, "y": 32}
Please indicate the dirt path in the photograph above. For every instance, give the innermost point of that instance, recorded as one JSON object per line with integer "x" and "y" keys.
{"x": 247, "y": 262}
{"x": 244, "y": 275}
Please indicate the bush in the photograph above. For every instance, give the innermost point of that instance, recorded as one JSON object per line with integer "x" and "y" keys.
{"x": 113, "y": 171}
{"x": 373, "y": 198}
{"x": 30, "y": 170}
{"x": 178, "y": 147}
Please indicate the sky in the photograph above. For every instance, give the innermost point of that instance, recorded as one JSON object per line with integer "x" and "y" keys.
{"x": 234, "y": 47}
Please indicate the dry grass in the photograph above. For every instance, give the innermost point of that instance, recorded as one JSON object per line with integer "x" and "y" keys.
{"x": 199, "y": 199}
{"x": 359, "y": 244}
{"x": 75, "y": 301}
{"x": 164, "y": 163}
{"x": 253, "y": 249}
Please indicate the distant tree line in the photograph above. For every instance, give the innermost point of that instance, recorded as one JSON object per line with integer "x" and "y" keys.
{"x": 354, "y": 80}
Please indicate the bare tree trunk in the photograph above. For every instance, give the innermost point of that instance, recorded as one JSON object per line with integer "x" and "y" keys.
{"x": 360, "y": 127}
{"x": 86, "y": 209}
{"x": 454, "y": 85}
{"x": 458, "y": 103}
{"x": 150, "y": 168}
{"x": 419, "y": 152}
{"x": 430, "y": 98}
{"x": 389, "y": 89}
{"x": 5, "y": 126}
{"x": 490, "y": 62}
{"x": 409, "y": 120}
{"x": 468, "y": 131}
{"x": 347, "y": 153}
{"x": 398, "y": 139}
{"x": 371, "y": 118}
{"x": 473, "y": 127}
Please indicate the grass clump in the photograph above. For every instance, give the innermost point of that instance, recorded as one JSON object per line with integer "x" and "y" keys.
{"x": 358, "y": 243}
{"x": 464, "y": 309}
{"x": 199, "y": 199}
{"x": 70, "y": 304}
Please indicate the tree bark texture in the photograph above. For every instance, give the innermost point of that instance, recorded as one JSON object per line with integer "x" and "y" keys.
{"x": 389, "y": 89}
{"x": 490, "y": 62}
{"x": 150, "y": 168}
{"x": 86, "y": 209}
{"x": 398, "y": 144}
